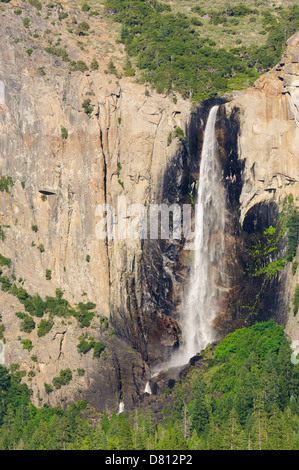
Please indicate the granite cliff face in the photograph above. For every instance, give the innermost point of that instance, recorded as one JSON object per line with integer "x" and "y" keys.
{"x": 88, "y": 139}
{"x": 267, "y": 172}
{"x": 66, "y": 161}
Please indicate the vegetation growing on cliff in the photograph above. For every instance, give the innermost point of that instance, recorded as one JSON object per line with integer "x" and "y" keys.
{"x": 266, "y": 254}
{"x": 173, "y": 53}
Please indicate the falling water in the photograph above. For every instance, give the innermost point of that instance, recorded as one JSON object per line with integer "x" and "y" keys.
{"x": 121, "y": 407}
{"x": 201, "y": 303}
{"x": 148, "y": 388}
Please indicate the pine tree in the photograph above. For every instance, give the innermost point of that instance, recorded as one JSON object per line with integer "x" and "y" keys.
{"x": 99, "y": 440}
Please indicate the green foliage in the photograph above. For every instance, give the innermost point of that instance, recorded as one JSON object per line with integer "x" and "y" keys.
{"x": 4, "y": 261}
{"x": 87, "y": 106}
{"x": 43, "y": 197}
{"x": 82, "y": 28}
{"x": 6, "y": 182}
{"x": 85, "y": 6}
{"x": 98, "y": 348}
{"x": 48, "y": 388}
{"x": 64, "y": 133}
{"x": 179, "y": 133}
{"x": 27, "y": 324}
{"x": 58, "y": 52}
{"x": 64, "y": 378}
{"x": 295, "y": 300}
{"x": 94, "y": 65}
{"x": 48, "y": 274}
{"x": 26, "y": 22}
{"x": 88, "y": 258}
{"x": 34, "y": 228}
{"x": 36, "y": 4}
{"x": 111, "y": 67}
{"x": 2, "y": 329}
{"x": 292, "y": 225}
{"x": 243, "y": 395}
{"x": 79, "y": 66}
{"x": 27, "y": 344}
{"x": 263, "y": 247}
{"x": 2, "y": 234}
{"x": 172, "y": 54}
{"x": 41, "y": 248}
{"x": 85, "y": 346}
{"x": 84, "y": 315}
{"x": 44, "y": 327}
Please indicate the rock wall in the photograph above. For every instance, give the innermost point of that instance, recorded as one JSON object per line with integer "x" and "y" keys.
{"x": 265, "y": 120}
{"x": 121, "y": 147}
{"x": 66, "y": 162}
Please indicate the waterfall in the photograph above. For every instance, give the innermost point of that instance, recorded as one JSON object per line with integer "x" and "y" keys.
{"x": 121, "y": 407}
{"x": 148, "y": 388}
{"x": 201, "y": 302}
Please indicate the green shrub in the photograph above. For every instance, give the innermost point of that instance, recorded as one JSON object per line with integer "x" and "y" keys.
{"x": 111, "y": 67}
{"x": 26, "y": 22}
{"x": 84, "y": 346}
{"x": 179, "y": 133}
{"x": 27, "y": 344}
{"x": 98, "y": 348}
{"x": 2, "y": 234}
{"x": 4, "y": 261}
{"x": 34, "y": 228}
{"x": 36, "y": 4}
{"x": 94, "y": 65}
{"x": 58, "y": 52}
{"x": 295, "y": 300}
{"x": 41, "y": 248}
{"x": 27, "y": 324}
{"x": 85, "y": 7}
{"x": 87, "y": 107}
{"x": 6, "y": 182}
{"x": 80, "y": 66}
{"x": 82, "y": 28}
{"x": 44, "y": 327}
{"x": 292, "y": 225}
{"x": 64, "y": 378}
{"x": 2, "y": 329}
{"x": 48, "y": 274}
{"x": 64, "y": 133}
{"x": 48, "y": 388}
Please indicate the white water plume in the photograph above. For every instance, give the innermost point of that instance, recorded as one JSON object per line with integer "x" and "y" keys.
{"x": 201, "y": 302}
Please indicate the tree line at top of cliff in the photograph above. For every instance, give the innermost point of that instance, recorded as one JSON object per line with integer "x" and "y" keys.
{"x": 173, "y": 56}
